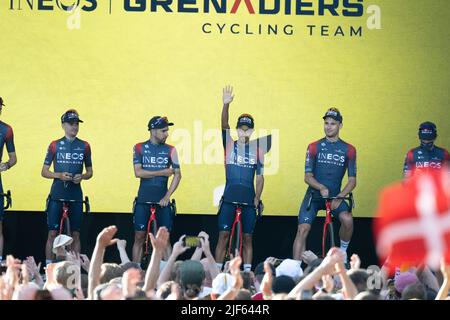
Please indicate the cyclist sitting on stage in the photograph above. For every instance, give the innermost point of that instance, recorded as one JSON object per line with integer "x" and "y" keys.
{"x": 242, "y": 159}
{"x": 6, "y": 139}
{"x": 154, "y": 162}
{"x": 68, "y": 155}
{"x": 427, "y": 155}
{"x": 326, "y": 162}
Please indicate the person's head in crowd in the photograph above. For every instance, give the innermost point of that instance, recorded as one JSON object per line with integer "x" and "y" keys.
{"x": 175, "y": 273}
{"x": 290, "y": 268}
{"x": 113, "y": 291}
{"x": 248, "y": 280}
{"x": 66, "y": 274}
{"x": 221, "y": 283}
{"x": 110, "y": 271}
{"x": 414, "y": 291}
{"x": 61, "y": 293}
{"x": 404, "y": 279}
{"x": 282, "y": 284}
{"x": 325, "y": 297}
{"x": 43, "y": 294}
{"x": 366, "y": 295}
{"x": 192, "y": 275}
{"x": 130, "y": 265}
{"x": 359, "y": 279}
{"x": 26, "y": 291}
{"x": 243, "y": 294}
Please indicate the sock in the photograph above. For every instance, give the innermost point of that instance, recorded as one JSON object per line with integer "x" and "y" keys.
{"x": 344, "y": 245}
{"x": 247, "y": 267}
{"x": 48, "y": 261}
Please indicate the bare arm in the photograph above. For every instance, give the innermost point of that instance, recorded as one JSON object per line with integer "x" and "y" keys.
{"x": 46, "y": 173}
{"x": 146, "y": 174}
{"x": 312, "y": 182}
{"x": 235, "y": 271}
{"x": 349, "y": 187}
{"x": 159, "y": 245}
{"x": 227, "y": 99}
{"x": 443, "y": 291}
{"x": 178, "y": 249}
{"x": 104, "y": 239}
{"x": 10, "y": 163}
{"x": 259, "y": 186}
{"x": 121, "y": 246}
{"x": 212, "y": 266}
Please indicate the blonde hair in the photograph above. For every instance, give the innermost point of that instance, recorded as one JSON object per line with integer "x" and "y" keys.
{"x": 333, "y": 109}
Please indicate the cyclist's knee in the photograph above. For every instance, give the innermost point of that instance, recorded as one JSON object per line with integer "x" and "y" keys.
{"x": 52, "y": 234}
{"x": 346, "y": 219}
{"x": 303, "y": 229}
{"x": 139, "y": 237}
{"x": 223, "y": 236}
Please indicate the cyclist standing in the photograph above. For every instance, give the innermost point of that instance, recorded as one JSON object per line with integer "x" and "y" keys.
{"x": 6, "y": 138}
{"x": 68, "y": 156}
{"x": 243, "y": 159}
{"x": 427, "y": 155}
{"x": 326, "y": 162}
{"x": 154, "y": 162}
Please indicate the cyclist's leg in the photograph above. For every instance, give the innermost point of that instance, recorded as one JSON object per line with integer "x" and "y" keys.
{"x": 248, "y": 224}
{"x": 53, "y": 221}
{"x": 225, "y": 221}
{"x": 140, "y": 220}
{"x": 346, "y": 229}
{"x": 305, "y": 220}
{"x": 76, "y": 218}
{"x": 165, "y": 217}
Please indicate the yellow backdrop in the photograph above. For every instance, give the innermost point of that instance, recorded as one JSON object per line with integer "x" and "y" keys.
{"x": 386, "y": 71}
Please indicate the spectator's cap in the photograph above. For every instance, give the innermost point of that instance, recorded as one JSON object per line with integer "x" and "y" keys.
{"x": 404, "y": 279}
{"x": 158, "y": 122}
{"x": 191, "y": 273}
{"x": 290, "y": 268}
{"x": 259, "y": 269}
{"x": 221, "y": 283}
{"x": 70, "y": 116}
{"x": 61, "y": 241}
{"x": 245, "y": 120}
{"x": 334, "y": 114}
{"x": 1, "y": 102}
{"x": 427, "y": 131}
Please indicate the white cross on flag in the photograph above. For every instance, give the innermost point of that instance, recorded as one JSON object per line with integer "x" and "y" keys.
{"x": 413, "y": 220}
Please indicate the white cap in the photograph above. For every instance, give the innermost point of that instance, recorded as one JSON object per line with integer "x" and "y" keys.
{"x": 61, "y": 241}
{"x": 221, "y": 283}
{"x": 290, "y": 268}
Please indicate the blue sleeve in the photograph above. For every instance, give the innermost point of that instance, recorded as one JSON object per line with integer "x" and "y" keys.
{"x": 10, "y": 140}
{"x": 137, "y": 154}
{"x": 87, "y": 154}
{"x": 226, "y": 137}
{"x": 310, "y": 158}
{"x": 50, "y": 154}
{"x": 351, "y": 153}
{"x": 174, "y": 158}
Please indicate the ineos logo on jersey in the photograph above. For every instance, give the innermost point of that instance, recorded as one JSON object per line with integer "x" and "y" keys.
{"x": 155, "y": 160}
{"x": 69, "y": 156}
{"x": 331, "y": 156}
{"x": 428, "y": 164}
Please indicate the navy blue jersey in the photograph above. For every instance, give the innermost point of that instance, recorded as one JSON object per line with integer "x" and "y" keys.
{"x": 242, "y": 161}
{"x": 6, "y": 138}
{"x": 421, "y": 158}
{"x": 154, "y": 157}
{"x": 68, "y": 156}
{"x": 328, "y": 161}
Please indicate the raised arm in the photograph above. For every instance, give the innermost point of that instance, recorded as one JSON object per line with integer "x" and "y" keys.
{"x": 227, "y": 98}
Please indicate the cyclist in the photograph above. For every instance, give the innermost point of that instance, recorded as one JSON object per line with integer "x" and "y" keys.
{"x": 326, "y": 162}
{"x": 6, "y": 138}
{"x": 154, "y": 162}
{"x": 68, "y": 155}
{"x": 427, "y": 155}
{"x": 243, "y": 158}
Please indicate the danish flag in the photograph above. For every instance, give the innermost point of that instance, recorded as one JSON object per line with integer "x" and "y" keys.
{"x": 413, "y": 220}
